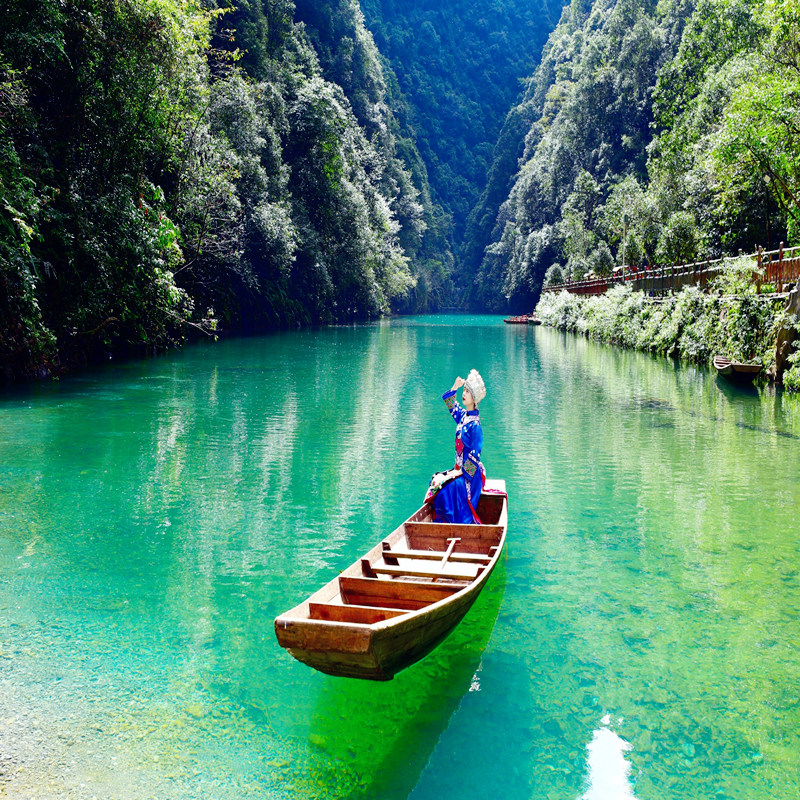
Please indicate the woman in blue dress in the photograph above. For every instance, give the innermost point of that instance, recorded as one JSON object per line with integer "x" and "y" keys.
{"x": 457, "y": 500}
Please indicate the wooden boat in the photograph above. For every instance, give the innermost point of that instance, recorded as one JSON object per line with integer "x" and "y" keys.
{"x": 397, "y": 603}
{"x": 735, "y": 370}
{"x": 521, "y": 320}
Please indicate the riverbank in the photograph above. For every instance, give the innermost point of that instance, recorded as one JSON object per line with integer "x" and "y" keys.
{"x": 692, "y": 325}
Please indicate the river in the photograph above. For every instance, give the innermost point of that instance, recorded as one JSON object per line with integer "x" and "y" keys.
{"x": 642, "y": 639}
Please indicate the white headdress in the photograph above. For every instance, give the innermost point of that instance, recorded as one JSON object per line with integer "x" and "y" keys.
{"x": 475, "y": 386}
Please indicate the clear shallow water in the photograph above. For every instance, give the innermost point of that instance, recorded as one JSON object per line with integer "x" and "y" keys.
{"x": 641, "y": 641}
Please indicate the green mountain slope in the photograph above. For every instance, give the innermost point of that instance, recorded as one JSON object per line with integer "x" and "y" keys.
{"x": 459, "y": 67}
{"x": 660, "y": 133}
{"x": 349, "y": 58}
{"x": 165, "y": 168}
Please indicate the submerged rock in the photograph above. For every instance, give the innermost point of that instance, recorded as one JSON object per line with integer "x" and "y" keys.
{"x": 196, "y": 710}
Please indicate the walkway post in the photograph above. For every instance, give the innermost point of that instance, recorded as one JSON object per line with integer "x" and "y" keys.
{"x": 759, "y": 279}
{"x": 624, "y": 242}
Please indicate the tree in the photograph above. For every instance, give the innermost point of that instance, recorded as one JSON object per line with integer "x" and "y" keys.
{"x": 680, "y": 240}
{"x": 759, "y": 140}
{"x": 631, "y": 221}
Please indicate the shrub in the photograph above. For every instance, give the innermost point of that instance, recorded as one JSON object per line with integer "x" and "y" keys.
{"x": 690, "y": 324}
{"x": 737, "y": 276}
{"x": 791, "y": 378}
{"x": 554, "y": 275}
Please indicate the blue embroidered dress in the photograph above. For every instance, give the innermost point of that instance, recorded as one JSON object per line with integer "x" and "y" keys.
{"x": 452, "y": 503}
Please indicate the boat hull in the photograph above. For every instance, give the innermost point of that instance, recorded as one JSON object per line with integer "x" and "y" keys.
{"x": 384, "y": 653}
{"x": 734, "y": 371}
{"x": 377, "y": 627}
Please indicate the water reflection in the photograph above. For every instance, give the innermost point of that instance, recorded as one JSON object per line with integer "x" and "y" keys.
{"x": 608, "y": 770}
{"x": 154, "y": 518}
{"x": 646, "y": 477}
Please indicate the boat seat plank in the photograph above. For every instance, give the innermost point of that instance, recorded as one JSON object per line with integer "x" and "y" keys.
{"x": 446, "y": 530}
{"x": 452, "y": 574}
{"x": 438, "y": 555}
{"x": 409, "y": 595}
{"x": 365, "y": 615}
{"x": 434, "y": 544}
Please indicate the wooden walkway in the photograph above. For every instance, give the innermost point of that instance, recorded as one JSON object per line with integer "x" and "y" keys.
{"x": 774, "y": 269}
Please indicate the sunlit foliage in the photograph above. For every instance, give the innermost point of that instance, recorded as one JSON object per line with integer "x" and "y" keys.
{"x": 691, "y": 324}
{"x": 684, "y": 116}
{"x": 172, "y": 166}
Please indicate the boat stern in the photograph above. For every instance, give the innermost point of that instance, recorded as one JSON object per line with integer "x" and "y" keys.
{"x": 332, "y": 647}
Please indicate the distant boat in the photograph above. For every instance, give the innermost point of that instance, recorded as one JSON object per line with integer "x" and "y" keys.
{"x": 534, "y": 320}
{"x": 393, "y": 606}
{"x": 736, "y": 370}
{"x": 521, "y": 320}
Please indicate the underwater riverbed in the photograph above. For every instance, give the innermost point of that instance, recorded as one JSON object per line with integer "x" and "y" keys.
{"x": 641, "y": 639}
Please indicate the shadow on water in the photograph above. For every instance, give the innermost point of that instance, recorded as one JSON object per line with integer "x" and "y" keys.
{"x": 746, "y": 395}
{"x": 735, "y": 392}
{"x": 374, "y": 739}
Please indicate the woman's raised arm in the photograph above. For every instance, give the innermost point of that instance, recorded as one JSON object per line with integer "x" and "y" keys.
{"x": 458, "y": 384}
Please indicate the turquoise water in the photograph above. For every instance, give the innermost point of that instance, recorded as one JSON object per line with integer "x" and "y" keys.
{"x": 641, "y": 640}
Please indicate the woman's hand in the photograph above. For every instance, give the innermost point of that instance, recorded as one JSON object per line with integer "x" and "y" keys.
{"x": 458, "y": 384}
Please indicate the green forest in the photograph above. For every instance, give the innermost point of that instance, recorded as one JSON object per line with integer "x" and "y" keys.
{"x": 661, "y": 133}
{"x": 177, "y": 168}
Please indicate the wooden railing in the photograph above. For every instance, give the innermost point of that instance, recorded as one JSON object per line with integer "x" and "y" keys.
{"x": 778, "y": 267}
{"x": 774, "y": 268}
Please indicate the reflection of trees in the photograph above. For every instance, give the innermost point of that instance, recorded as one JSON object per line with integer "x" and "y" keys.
{"x": 667, "y": 563}
{"x": 652, "y": 565}
{"x": 367, "y": 435}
